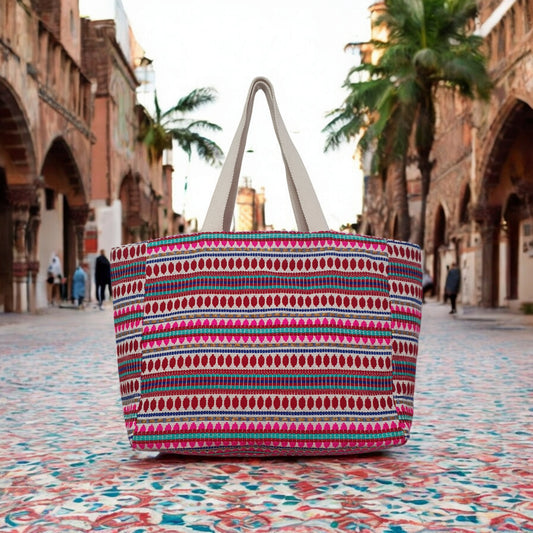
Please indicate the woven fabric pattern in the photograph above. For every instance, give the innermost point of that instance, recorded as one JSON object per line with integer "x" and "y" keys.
{"x": 267, "y": 343}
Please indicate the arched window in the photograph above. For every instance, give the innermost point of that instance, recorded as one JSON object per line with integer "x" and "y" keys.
{"x": 439, "y": 228}
{"x": 464, "y": 214}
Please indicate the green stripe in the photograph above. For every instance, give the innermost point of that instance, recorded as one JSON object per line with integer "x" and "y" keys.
{"x": 406, "y": 363}
{"x": 259, "y": 331}
{"x": 219, "y": 435}
{"x": 125, "y": 318}
{"x": 406, "y": 318}
{"x": 127, "y": 265}
{"x": 116, "y": 279}
{"x": 403, "y": 276}
{"x": 150, "y": 292}
{"x": 140, "y": 265}
{"x": 264, "y": 237}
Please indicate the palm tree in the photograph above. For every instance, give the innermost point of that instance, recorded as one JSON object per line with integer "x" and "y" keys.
{"x": 159, "y": 132}
{"x": 430, "y": 47}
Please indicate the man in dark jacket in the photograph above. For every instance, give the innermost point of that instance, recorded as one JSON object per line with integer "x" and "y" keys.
{"x": 451, "y": 288}
{"x": 102, "y": 276}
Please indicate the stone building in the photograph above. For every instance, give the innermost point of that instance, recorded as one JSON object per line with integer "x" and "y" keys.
{"x": 250, "y": 208}
{"x": 69, "y": 153}
{"x": 45, "y": 146}
{"x": 131, "y": 199}
{"x": 481, "y": 196}
{"x": 481, "y": 199}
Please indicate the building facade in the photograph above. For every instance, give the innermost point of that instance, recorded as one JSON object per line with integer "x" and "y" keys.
{"x": 480, "y": 204}
{"x": 131, "y": 198}
{"x": 480, "y": 207}
{"x": 69, "y": 152}
{"x": 45, "y": 145}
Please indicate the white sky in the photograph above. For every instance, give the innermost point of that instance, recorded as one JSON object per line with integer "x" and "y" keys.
{"x": 298, "y": 45}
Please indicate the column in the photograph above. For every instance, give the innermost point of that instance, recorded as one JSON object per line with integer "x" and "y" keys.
{"x": 21, "y": 197}
{"x": 34, "y": 225}
{"x": 79, "y": 215}
{"x": 489, "y": 218}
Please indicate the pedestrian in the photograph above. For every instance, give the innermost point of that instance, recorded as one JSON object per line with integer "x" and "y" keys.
{"x": 79, "y": 281}
{"x": 452, "y": 285}
{"x": 102, "y": 274}
{"x": 427, "y": 285}
{"x": 54, "y": 277}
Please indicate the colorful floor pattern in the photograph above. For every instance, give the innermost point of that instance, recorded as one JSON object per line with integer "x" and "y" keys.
{"x": 65, "y": 463}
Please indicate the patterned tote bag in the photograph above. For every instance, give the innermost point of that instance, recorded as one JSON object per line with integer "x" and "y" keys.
{"x": 267, "y": 343}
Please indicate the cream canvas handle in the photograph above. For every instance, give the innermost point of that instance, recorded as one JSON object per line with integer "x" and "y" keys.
{"x": 305, "y": 204}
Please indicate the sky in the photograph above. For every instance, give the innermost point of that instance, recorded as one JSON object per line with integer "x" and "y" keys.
{"x": 299, "y": 46}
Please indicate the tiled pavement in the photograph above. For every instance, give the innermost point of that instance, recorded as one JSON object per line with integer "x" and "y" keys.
{"x": 65, "y": 464}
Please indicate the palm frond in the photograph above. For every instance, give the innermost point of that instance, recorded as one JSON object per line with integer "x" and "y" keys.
{"x": 342, "y": 128}
{"x": 192, "y": 101}
{"x": 429, "y": 44}
{"x": 173, "y": 124}
{"x": 390, "y": 105}
{"x": 206, "y": 149}
{"x": 157, "y": 109}
{"x": 470, "y": 77}
{"x": 204, "y": 125}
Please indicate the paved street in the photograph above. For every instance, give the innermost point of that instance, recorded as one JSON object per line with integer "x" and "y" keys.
{"x": 66, "y": 465}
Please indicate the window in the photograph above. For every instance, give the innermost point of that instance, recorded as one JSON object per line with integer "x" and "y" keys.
{"x": 501, "y": 39}
{"x": 512, "y": 22}
{"x": 72, "y": 24}
{"x": 464, "y": 214}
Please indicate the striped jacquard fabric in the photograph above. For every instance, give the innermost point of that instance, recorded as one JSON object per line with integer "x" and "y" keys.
{"x": 267, "y": 343}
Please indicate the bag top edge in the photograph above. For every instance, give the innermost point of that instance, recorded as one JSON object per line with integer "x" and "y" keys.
{"x": 271, "y": 234}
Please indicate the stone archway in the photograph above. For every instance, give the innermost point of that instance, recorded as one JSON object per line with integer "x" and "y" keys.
{"x": 506, "y": 185}
{"x": 64, "y": 212}
{"x": 19, "y": 218}
{"x": 16, "y": 142}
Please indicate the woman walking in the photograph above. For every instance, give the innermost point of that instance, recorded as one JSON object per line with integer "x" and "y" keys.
{"x": 451, "y": 288}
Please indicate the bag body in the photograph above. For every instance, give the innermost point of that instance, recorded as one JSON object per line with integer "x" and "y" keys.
{"x": 267, "y": 343}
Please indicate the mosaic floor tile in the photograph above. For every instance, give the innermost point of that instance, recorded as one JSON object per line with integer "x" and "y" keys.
{"x": 66, "y": 465}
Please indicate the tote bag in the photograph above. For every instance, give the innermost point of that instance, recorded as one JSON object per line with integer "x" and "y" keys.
{"x": 267, "y": 343}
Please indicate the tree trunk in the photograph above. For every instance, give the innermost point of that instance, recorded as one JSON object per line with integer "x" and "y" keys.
{"x": 425, "y": 136}
{"x": 400, "y": 200}
{"x": 425, "y": 167}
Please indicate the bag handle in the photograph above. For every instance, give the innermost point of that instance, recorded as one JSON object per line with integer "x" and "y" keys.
{"x": 305, "y": 204}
